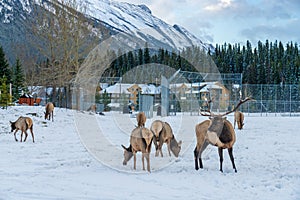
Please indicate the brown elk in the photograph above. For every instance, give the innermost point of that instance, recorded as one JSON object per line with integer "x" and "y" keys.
{"x": 23, "y": 124}
{"x": 141, "y": 119}
{"x": 162, "y": 133}
{"x": 92, "y": 108}
{"x": 239, "y": 119}
{"x": 217, "y": 131}
{"x": 140, "y": 140}
{"x": 49, "y": 111}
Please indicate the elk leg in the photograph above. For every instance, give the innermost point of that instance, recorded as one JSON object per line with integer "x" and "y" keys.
{"x": 160, "y": 150}
{"x": 15, "y": 135}
{"x": 134, "y": 160}
{"x": 202, "y": 148}
{"x": 32, "y": 134}
{"x": 160, "y": 144}
{"x": 26, "y": 134}
{"x": 155, "y": 143}
{"x": 148, "y": 161}
{"x": 196, "y": 159}
{"x": 21, "y": 135}
{"x": 143, "y": 156}
{"x": 220, "y": 150}
{"x": 169, "y": 147}
{"x": 232, "y": 159}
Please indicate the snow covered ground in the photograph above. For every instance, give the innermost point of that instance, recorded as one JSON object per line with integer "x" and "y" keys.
{"x": 69, "y": 160}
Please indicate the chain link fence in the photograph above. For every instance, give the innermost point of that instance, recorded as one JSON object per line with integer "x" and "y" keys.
{"x": 268, "y": 99}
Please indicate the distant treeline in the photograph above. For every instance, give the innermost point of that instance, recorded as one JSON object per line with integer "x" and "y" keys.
{"x": 268, "y": 63}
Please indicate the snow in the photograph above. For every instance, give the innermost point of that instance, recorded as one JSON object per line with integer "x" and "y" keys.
{"x": 135, "y": 19}
{"x": 68, "y": 162}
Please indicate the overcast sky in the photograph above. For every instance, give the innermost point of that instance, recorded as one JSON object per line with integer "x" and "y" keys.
{"x": 232, "y": 21}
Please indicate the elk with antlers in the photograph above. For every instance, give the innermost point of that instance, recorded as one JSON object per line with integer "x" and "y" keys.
{"x": 217, "y": 131}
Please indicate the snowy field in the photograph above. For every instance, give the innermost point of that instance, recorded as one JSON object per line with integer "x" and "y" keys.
{"x": 79, "y": 156}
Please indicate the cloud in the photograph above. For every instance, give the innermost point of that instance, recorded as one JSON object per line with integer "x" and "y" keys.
{"x": 231, "y": 20}
{"x": 285, "y": 32}
{"x": 222, "y": 4}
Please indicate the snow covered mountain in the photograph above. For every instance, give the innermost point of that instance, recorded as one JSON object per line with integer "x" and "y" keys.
{"x": 139, "y": 21}
{"x": 131, "y": 19}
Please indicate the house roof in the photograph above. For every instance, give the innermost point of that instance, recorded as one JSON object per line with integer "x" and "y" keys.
{"x": 123, "y": 88}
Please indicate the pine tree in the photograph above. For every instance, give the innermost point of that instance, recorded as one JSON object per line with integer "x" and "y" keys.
{"x": 146, "y": 54}
{"x": 18, "y": 80}
{"x": 5, "y": 98}
{"x": 4, "y": 67}
{"x": 140, "y": 57}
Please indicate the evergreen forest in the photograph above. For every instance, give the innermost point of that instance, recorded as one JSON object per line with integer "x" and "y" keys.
{"x": 268, "y": 63}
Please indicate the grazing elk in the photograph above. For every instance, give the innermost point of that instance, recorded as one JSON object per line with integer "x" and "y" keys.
{"x": 140, "y": 140}
{"x": 49, "y": 111}
{"x": 239, "y": 119}
{"x": 217, "y": 131}
{"x": 162, "y": 133}
{"x": 23, "y": 124}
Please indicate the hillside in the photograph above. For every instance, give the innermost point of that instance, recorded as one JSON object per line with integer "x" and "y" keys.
{"x": 17, "y": 19}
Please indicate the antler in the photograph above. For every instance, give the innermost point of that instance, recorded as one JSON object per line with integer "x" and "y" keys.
{"x": 236, "y": 107}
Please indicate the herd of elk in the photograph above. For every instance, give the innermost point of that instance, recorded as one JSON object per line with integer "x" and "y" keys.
{"x": 141, "y": 139}
{"x": 25, "y": 123}
{"x": 217, "y": 131}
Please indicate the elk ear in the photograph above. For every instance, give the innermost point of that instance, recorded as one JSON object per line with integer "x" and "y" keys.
{"x": 10, "y": 122}
{"x": 179, "y": 143}
{"x": 123, "y": 147}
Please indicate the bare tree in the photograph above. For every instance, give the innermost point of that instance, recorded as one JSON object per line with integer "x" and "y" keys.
{"x": 65, "y": 36}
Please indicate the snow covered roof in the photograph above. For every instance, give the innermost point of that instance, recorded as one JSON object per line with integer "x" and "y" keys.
{"x": 117, "y": 89}
{"x": 123, "y": 88}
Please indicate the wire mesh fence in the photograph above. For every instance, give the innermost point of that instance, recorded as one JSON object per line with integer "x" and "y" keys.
{"x": 276, "y": 99}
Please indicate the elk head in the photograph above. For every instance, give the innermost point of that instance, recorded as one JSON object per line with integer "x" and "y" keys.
{"x": 175, "y": 147}
{"x": 217, "y": 122}
{"x": 127, "y": 154}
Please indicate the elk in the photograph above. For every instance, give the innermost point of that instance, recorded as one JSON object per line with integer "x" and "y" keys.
{"x": 141, "y": 119}
{"x": 92, "y": 108}
{"x": 217, "y": 131}
{"x": 140, "y": 140}
{"x": 23, "y": 124}
{"x": 162, "y": 133}
{"x": 49, "y": 111}
{"x": 239, "y": 119}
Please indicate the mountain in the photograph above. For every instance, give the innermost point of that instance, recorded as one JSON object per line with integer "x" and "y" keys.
{"x": 136, "y": 20}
